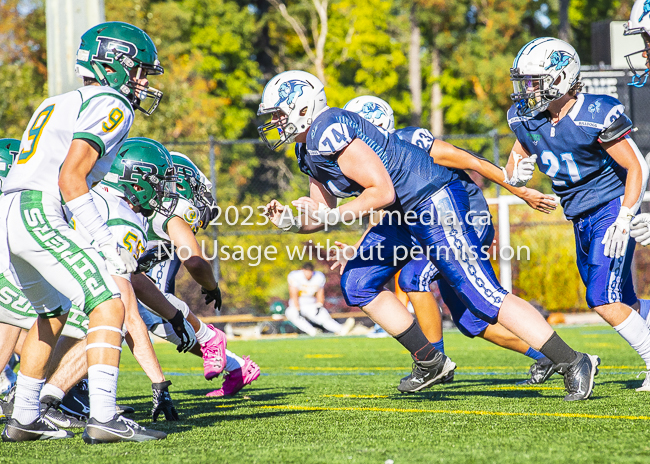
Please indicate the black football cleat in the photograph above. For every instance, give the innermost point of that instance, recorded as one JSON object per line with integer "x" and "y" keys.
{"x": 118, "y": 429}
{"x": 539, "y": 372}
{"x": 49, "y": 410}
{"x": 579, "y": 376}
{"x": 428, "y": 373}
{"x": 76, "y": 403}
{"x": 40, "y": 429}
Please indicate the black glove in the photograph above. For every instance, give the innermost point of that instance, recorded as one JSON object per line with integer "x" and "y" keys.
{"x": 150, "y": 258}
{"x": 184, "y": 331}
{"x": 162, "y": 402}
{"x": 213, "y": 295}
{"x": 210, "y": 211}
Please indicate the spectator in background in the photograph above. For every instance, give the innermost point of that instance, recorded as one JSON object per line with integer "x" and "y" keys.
{"x": 306, "y": 299}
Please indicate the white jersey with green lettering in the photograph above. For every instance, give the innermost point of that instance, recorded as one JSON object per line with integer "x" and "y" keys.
{"x": 99, "y": 115}
{"x": 128, "y": 227}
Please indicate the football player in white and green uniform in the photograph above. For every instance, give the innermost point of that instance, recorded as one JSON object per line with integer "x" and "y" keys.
{"x": 194, "y": 188}
{"x": 68, "y": 146}
{"x": 130, "y": 228}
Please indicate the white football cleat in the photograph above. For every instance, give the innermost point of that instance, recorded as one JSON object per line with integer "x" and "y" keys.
{"x": 645, "y": 387}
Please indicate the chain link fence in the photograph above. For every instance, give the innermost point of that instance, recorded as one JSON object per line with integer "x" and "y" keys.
{"x": 246, "y": 175}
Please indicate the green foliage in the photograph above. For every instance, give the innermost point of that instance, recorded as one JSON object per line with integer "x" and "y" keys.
{"x": 218, "y": 54}
{"x": 23, "y": 69}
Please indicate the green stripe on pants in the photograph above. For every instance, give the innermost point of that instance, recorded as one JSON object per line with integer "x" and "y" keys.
{"x": 74, "y": 259}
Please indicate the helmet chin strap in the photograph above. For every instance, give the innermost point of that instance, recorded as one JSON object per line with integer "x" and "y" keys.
{"x": 639, "y": 80}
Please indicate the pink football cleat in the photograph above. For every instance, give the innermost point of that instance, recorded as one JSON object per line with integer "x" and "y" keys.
{"x": 238, "y": 379}
{"x": 214, "y": 354}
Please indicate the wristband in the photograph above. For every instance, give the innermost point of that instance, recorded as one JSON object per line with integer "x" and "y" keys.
{"x": 625, "y": 213}
{"x": 328, "y": 216}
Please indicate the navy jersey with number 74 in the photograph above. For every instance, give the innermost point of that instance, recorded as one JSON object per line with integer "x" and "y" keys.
{"x": 414, "y": 174}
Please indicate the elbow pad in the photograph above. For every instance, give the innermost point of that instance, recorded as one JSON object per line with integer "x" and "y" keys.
{"x": 618, "y": 129}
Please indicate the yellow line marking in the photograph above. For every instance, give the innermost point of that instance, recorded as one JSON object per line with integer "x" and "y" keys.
{"x": 462, "y": 368}
{"x": 461, "y": 412}
{"x": 355, "y": 396}
{"x": 323, "y": 356}
{"x": 525, "y": 387}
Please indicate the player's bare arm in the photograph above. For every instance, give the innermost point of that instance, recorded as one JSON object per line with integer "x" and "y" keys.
{"x": 450, "y": 156}
{"x": 361, "y": 164}
{"x": 77, "y": 165}
{"x": 182, "y": 236}
{"x": 637, "y": 170}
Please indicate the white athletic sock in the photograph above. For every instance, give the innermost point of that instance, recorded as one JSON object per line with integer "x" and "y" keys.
{"x": 102, "y": 388}
{"x": 52, "y": 390}
{"x": 644, "y": 310}
{"x": 637, "y": 334}
{"x": 233, "y": 361}
{"x": 27, "y": 406}
{"x": 205, "y": 334}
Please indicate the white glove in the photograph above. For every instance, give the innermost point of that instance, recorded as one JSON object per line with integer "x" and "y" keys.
{"x": 118, "y": 259}
{"x": 618, "y": 234}
{"x": 640, "y": 229}
{"x": 288, "y": 222}
{"x": 522, "y": 171}
{"x": 326, "y": 215}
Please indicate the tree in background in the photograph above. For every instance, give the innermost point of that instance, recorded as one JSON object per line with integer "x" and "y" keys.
{"x": 23, "y": 67}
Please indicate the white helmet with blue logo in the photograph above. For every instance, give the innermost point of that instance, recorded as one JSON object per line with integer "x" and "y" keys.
{"x": 294, "y": 98}
{"x": 374, "y": 109}
{"x": 544, "y": 70}
{"x": 639, "y": 23}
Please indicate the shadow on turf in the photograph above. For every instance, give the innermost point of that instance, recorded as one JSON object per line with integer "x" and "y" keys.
{"x": 193, "y": 403}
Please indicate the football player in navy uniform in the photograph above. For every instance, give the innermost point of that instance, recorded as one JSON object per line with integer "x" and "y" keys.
{"x": 581, "y": 142}
{"x": 417, "y": 276}
{"x": 347, "y": 156}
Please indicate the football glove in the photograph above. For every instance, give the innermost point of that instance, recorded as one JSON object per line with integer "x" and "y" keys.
{"x": 640, "y": 229}
{"x": 618, "y": 234}
{"x": 162, "y": 402}
{"x": 119, "y": 259}
{"x": 210, "y": 211}
{"x": 213, "y": 295}
{"x": 184, "y": 331}
{"x": 522, "y": 171}
{"x": 150, "y": 258}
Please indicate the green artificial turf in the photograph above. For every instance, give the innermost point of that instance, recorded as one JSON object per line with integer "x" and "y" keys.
{"x": 331, "y": 400}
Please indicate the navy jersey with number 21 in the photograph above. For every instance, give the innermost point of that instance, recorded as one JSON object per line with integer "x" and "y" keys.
{"x": 584, "y": 176}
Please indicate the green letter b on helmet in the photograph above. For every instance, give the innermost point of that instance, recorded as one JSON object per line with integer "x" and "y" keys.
{"x": 143, "y": 173}
{"x": 116, "y": 54}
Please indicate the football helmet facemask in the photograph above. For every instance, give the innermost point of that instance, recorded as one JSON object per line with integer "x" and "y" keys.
{"x": 193, "y": 185}
{"x": 639, "y": 23}
{"x": 294, "y": 99}
{"x": 119, "y": 55}
{"x": 544, "y": 70}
